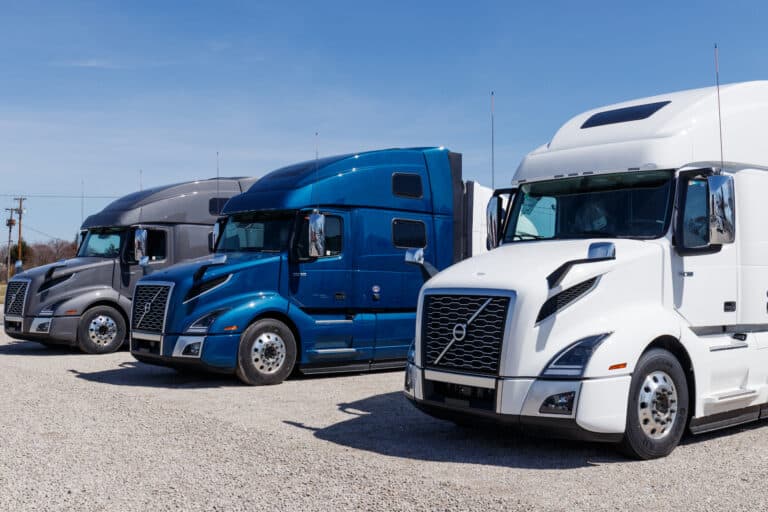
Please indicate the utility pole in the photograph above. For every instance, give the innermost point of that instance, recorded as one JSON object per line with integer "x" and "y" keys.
{"x": 20, "y": 211}
{"x": 10, "y": 223}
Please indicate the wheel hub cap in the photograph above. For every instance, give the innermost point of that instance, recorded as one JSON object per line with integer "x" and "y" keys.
{"x": 102, "y": 330}
{"x": 657, "y": 405}
{"x": 268, "y": 352}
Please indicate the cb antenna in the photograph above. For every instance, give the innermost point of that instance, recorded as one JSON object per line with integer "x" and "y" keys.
{"x": 493, "y": 148}
{"x": 317, "y": 166}
{"x": 218, "y": 201}
{"x": 719, "y": 113}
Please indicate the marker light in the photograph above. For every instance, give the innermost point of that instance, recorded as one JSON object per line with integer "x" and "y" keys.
{"x": 230, "y": 328}
{"x": 619, "y": 366}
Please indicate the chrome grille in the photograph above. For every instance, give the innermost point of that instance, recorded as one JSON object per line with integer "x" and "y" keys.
{"x": 149, "y": 306}
{"x": 15, "y": 295}
{"x": 473, "y": 348}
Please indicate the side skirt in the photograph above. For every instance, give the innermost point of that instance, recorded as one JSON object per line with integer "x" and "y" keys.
{"x": 353, "y": 367}
{"x": 729, "y": 419}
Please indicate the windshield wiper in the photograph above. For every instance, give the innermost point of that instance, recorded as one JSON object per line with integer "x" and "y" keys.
{"x": 529, "y": 236}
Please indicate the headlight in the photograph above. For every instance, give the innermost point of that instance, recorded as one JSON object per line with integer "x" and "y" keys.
{"x": 571, "y": 361}
{"x": 48, "y": 310}
{"x": 412, "y": 351}
{"x": 202, "y": 324}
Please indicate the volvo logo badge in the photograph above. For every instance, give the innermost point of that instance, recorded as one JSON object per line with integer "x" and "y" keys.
{"x": 13, "y": 299}
{"x": 459, "y": 332}
{"x": 147, "y": 307}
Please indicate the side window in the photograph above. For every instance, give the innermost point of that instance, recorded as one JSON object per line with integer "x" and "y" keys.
{"x": 409, "y": 233}
{"x": 216, "y": 205}
{"x": 407, "y": 185}
{"x": 695, "y": 228}
{"x": 537, "y": 218}
{"x": 156, "y": 245}
{"x": 333, "y": 235}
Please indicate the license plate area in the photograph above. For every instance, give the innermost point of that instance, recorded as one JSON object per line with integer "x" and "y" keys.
{"x": 460, "y": 395}
{"x": 142, "y": 346}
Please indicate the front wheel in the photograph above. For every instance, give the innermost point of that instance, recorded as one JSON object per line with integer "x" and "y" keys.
{"x": 657, "y": 411}
{"x": 101, "y": 330}
{"x": 266, "y": 354}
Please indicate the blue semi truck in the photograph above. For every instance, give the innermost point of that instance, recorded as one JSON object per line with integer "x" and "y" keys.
{"x": 309, "y": 271}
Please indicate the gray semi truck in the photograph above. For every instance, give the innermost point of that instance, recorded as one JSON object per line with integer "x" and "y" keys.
{"x": 86, "y": 301}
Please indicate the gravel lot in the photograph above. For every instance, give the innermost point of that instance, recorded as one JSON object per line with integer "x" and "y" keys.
{"x": 81, "y": 432}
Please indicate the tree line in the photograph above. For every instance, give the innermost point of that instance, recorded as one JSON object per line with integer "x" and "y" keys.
{"x": 36, "y": 254}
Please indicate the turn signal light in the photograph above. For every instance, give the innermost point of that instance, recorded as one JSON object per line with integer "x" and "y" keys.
{"x": 230, "y": 328}
{"x": 70, "y": 312}
{"x": 619, "y": 366}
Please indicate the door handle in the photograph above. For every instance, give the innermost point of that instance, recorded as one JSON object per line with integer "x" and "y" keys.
{"x": 686, "y": 274}
{"x": 299, "y": 274}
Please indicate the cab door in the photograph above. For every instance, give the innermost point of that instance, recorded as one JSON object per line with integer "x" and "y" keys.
{"x": 158, "y": 251}
{"x": 320, "y": 286}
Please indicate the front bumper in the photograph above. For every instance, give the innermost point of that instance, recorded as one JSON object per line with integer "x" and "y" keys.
{"x": 598, "y": 412}
{"x": 58, "y": 329}
{"x": 218, "y": 352}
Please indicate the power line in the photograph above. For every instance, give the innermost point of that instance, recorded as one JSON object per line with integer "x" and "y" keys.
{"x": 45, "y": 234}
{"x": 60, "y": 196}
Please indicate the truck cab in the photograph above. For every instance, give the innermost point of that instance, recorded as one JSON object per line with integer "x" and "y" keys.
{"x": 308, "y": 270}
{"x": 626, "y": 298}
{"x": 86, "y": 301}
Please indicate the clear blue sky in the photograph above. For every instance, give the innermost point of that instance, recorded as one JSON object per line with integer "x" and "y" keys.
{"x": 97, "y": 90}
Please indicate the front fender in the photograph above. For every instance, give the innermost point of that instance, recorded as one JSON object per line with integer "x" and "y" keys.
{"x": 244, "y": 313}
{"x": 633, "y": 329}
{"x": 85, "y": 299}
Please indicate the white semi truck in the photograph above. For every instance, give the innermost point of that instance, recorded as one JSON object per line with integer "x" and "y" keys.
{"x": 627, "y": 299}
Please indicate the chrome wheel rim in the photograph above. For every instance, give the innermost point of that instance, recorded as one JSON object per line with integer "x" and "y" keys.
{"x": 657, "y": 405}
{"x": 102, "y": 330}
{"x": 268, "y": 352}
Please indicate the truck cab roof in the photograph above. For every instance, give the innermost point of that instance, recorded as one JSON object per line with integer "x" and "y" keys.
{"x": 667, "y": 131}
{"x": 357, "y": 179}
{"x": 170, "y": 204}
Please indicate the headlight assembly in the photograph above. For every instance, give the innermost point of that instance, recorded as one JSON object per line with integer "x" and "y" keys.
{"x": 571, "y": 361}
{"x": 202, "y": 324}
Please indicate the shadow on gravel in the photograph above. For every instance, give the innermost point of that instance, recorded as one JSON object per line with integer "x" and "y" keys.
{"x": 140, "y": 374}
{"x": 387, "y": 424}
{"x": 32, "y": 348}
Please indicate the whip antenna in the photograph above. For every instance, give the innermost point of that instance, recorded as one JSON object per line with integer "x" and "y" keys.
{"x": 719, "y": 113}
{"x": 493, "y": 148}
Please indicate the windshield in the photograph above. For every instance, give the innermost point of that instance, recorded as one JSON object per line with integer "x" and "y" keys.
{"x": 256, "y": 232}
{"x": 626, "y": 205}
{"x": 102, "y": 243}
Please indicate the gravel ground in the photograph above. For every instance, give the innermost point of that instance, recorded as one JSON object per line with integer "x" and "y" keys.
{"x": 81, "y": 432}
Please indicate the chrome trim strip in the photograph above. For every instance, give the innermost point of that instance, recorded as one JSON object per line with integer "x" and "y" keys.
{"x": 729, "y": 329}
{"x": 461, "y": 379}
{"x": 14, "y": 318}
{"x": 334, "y": 351}
{"x": 730, "y": 346}
{"x": 331, "y": 322}
{"x": 741, "y": 393}
{"x": 41, "y": 320}
{"x": 138, "y": 335}
{"x": 209, "y": 290}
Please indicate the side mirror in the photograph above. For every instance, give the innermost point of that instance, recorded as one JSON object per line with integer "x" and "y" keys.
{"x": 416, "y": 257}
{"x": 493, "y": 218}
{"x": 140, "y": 246}
{"x": 18, "y": 267}
{"x": 213, "y": 237}
{"x": 722, "y": 210}
{"x": 316, "y": 235}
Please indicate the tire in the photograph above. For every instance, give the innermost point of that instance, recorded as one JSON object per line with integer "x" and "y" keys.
{"x": 101, "y": 330}
{"x": 267, "y": 353}
{"x": 657, "y": 409}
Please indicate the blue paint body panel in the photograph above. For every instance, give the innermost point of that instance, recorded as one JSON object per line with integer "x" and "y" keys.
{"x": 356, "y": 307}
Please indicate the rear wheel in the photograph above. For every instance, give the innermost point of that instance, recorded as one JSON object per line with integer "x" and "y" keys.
{"x": 658, "y": 406}
{"x": 267, "y": 353}
{"x": 101, "y": 330}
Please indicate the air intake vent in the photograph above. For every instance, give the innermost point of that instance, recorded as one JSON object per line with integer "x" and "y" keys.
{"x": 564, "y": 298}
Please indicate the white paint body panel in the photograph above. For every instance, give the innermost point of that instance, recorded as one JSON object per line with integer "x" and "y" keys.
{"x": 649, "y": 291}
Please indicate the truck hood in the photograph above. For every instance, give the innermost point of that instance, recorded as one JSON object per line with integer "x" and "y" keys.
{"x": 633, "y": 279}
{"x": 64, "y": 280}
{"x": 239, "y": 278}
